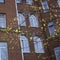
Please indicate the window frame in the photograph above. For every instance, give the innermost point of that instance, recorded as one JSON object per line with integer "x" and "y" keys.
{"x": 3, "y": 14}
{"x": 40, "y": 44}
{"x": 24, "y": 23}
{"x": 58, "y": 1}
{"x": 26, "y": 41}
{"x": 2, "y": 2}
{"x": 51, "y": 25}
{"x": 19, "y": 2}
{"x": 30, "y": 2}
{"x": 43, "y": 6}
{"x": 34, "y": 19}
{"x": 6, "y": 50}
{"x": 56, "y": 51}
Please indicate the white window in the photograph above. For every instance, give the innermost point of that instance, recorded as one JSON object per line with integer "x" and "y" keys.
{"x": 18, "y": 1}
{"x": 21, "y": 20}
{"x": 38, "y": 45}
{"x": 45, "y": 6}
{"x": 30, "y": 2}
{"x": 1, "y": 1}
{"x": 51, "y": 28}
{"x": 2, "y": 21}
{"x": 24, "y": 44}
{"x": 58, "y": 3}
{"x": 33, "y": 21}
{"x": 3, "y": 51}
{"x": 57, "y": 53}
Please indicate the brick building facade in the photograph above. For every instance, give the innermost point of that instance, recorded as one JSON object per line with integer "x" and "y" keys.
{"x": 29, "y": 30}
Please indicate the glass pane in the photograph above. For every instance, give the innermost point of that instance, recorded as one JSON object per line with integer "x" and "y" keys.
{"x": 1, "y": 0}
{"x": 51, "y": 28}
{"x": 29, "y": 2}
{"x": 0, "y": 54}
{"x": 24, "y": 44}
{"x": 19, "y": 1}
{"x": 38, "y": 45}
{"x": 57, "y": 52}
{"x": 45, "y": 6}
{"x": 33, "y": 21}
{"x": 3, "y": 51}
{"x": 2, "y": 25}
{"x": 59, "y": 3}
{"x": 3, "y": 44}
{"x": 21, "y": 21}
{"x": 2, "y": 21}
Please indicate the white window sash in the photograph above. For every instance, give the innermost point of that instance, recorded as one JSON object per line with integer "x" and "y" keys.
{"x": 3, "y": 50}
{"x": 24, "y": 44}
{"x": 51, "y": 28}
{"x": 2, "y": 21}
{"x": 45, "y": 8}
{"x": 33, "y": 21}
{"x": 38, "y": 45}
{"x": 22, "y": 20}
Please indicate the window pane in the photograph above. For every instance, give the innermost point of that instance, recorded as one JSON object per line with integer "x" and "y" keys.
{"x": 19, "y": 1}
{"x": 51, "y": 28}
{"x": 38, "y": 45}
{"x": 2, "y": 21}
{"x": 29, "y": 2}
{"x": 45, "y": 6}
{"x": 21, "y": 21}
{"x": 24, "y": 44}
{"x": 57, "y": 52}
{"x": 1, "y": 1}
{"x": 33, "y": 21}
{"x": 3, "y": 51}
{"x": 58, "y": 3}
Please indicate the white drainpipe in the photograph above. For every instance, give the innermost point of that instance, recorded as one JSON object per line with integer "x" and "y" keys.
{"x": 19, "y": 28}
